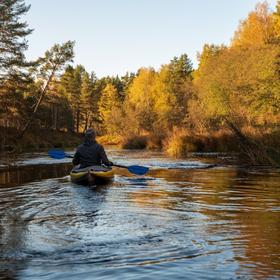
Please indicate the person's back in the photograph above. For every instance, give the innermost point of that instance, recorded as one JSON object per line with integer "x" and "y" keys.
{"x": 90, "y": 152}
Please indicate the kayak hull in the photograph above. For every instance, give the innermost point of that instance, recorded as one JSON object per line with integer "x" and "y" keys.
{"x": 92, "y": 175}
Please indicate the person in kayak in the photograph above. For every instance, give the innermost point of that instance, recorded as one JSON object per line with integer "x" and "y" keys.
{"x": 90, "y": 152}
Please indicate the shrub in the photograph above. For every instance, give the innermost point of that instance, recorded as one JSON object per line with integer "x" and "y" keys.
{"x": 109, "y": 140}
{"x": 135, "y": 142}
{"x": 155, "y": 142}
{"x": 177, "y": 145}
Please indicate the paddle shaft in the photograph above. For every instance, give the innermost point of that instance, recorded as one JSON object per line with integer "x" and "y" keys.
{"x": 135, "y": 169}
{"x": 69, "y": 156}
{"x": 121, "y": 166}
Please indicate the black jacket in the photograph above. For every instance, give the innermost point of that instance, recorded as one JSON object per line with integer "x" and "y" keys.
{"x": 90, "y": 153}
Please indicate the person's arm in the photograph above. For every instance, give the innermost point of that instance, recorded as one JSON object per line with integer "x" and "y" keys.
{"x": 76, "y": 159}
{"x": 104, "y": 158}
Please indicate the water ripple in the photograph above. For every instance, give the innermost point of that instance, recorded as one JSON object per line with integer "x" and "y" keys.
{"x": 220, "y": 223}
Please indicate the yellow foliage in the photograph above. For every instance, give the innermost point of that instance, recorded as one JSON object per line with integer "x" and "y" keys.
{"x": 176, "y": 145}
{"x": 257, "y": 29}
{"x": 110, "y": 109}
{"x": 139, "y": 102}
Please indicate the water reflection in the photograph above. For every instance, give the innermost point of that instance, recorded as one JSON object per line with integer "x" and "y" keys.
{"x": 14, "y": 176}
{"x": 45, "y": 220}
{"x": 239, "y": 207}
{"x": 166, "y": 225}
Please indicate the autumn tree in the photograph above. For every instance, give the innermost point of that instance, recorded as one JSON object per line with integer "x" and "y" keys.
{"x": 172, "y": 91}
{"x": 110, "y": 111}
{"x": 243, "y": 91}
{"x": 257, "y": 29}
{"x": 139, "y": 102}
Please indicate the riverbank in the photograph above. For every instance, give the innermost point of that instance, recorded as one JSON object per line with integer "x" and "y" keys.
{"x": 179, "y": 144}
{"x": 36, "y": 140}
{"x": 251, "y": 149}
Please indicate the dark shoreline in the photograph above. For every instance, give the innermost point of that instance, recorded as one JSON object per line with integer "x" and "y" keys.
{"x": 36, "y": 140}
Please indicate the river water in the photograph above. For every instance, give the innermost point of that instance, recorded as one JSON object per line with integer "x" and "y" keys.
{"x": 180, "y": 221}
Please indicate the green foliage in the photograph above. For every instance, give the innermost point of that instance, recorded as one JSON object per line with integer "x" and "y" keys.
{"x": 12, "y": 38}
{"x": 243, "y": 93}
{"x": 181, "y": 67}
{"x": 172, "y": 91}
{"x": 14, "y": 78}
{"x": 253, "y": 93}
{"x": 158, "y": 100}
{"x": 56, "y": 58}
{"x": 235, "y": 91}
{"x": 48, "y": 67}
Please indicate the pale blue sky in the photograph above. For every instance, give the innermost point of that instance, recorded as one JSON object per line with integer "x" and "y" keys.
{"x": 116, "y": 36}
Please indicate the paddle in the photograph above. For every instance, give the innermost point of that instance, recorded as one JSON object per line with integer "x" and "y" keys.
{"x": 58, "y": 154}
{"x": 135, "y": 169}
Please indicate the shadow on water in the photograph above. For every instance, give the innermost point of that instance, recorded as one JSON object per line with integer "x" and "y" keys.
{"x": 14, "y": 176}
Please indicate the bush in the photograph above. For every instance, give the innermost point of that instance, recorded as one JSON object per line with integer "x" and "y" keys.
{"x": 177, "y": 144}
{"x": 155, "y": 142}
{"x": 135, "y": 142}
{"x": 109, "y": 140}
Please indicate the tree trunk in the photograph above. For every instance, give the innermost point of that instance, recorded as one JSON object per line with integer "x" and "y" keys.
{"x": 78, "y": 121}
{"x": 86, "y": 121}
{"x": 56, "y": 117}
{"x": 43, "y": 93}
{"x": 55, "y": 110}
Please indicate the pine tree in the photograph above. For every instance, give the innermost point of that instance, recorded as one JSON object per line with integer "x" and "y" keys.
{"x": 13, "y": 76}
{"x": 88, "y": 104}
{"x": 12, "y": 38}
{"x": 181, "y": 67}
{"x": 49, "y": 67}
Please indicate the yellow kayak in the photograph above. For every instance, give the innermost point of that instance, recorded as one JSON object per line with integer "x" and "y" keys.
{"x": 92, "y": 175}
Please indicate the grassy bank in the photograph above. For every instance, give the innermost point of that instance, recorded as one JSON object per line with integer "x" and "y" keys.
{"x": 252, "y": 149}
{"x": 36, "y": 140}
{"x": 261, "y": 149}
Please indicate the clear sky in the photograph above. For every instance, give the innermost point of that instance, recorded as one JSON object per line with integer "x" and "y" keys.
{"x": 116, "y": 36}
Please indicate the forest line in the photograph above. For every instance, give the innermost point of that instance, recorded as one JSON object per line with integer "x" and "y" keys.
{"x": 231, "y": 102}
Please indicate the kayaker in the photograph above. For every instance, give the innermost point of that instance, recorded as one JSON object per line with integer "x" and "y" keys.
{"x": 90, "y": 152}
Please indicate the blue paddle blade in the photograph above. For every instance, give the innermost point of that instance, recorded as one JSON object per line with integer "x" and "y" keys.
{"x": 57, "y": 154}
{"x": 138, "y": 170}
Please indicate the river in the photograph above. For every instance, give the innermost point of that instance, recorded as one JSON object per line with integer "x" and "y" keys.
{"x": 179, "y": 221}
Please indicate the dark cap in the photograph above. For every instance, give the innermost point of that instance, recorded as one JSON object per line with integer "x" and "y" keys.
{"x": 90, "y": 133}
